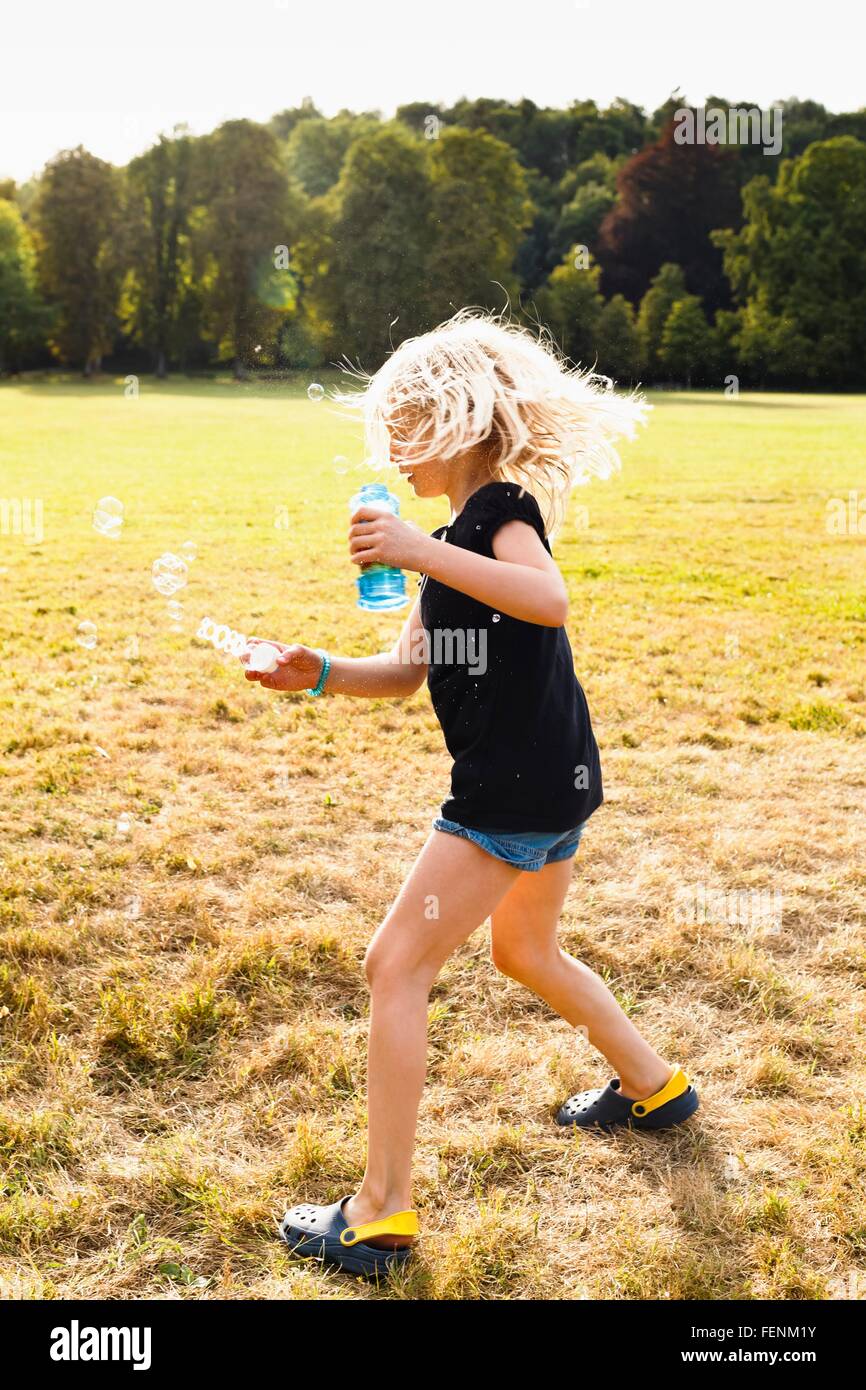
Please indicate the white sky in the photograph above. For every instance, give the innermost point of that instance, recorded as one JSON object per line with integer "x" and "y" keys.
{"x": 111, "y": 75}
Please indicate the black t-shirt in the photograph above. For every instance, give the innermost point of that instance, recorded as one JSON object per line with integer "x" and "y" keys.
{"x": 512, "y": 710}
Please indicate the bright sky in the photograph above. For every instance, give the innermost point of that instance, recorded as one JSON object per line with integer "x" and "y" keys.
{"x": 111, "y": 75}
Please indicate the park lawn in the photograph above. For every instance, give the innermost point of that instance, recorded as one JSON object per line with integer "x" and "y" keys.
{"x": 183, "y": 1006}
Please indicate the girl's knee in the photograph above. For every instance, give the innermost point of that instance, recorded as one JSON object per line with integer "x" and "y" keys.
{"x": 388, "y": 968}
{"x": 375, "y": 962}
{"x": 380, "y": 955}
{"x": 533, "y": 961}
{"x": 520, "y": 960}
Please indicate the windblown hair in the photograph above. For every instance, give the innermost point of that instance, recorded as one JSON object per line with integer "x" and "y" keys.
{"x": 478, "y": 377}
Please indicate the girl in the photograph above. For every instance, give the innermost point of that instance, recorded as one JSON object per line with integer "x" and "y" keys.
{"x": 484, "y": 413}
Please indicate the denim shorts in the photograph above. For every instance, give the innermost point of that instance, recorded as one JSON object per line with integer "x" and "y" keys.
{"x": 526, "y": 849}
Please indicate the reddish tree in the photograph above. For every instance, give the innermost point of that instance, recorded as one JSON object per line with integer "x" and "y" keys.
{"x": 670, "y": 198}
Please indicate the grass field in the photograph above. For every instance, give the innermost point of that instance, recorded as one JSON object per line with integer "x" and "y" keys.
{"x": 183, "y": 1006}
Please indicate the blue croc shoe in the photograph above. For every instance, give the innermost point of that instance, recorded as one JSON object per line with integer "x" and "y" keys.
{"x": 606, "y": 1108}
{"x": 322, "y": 1233}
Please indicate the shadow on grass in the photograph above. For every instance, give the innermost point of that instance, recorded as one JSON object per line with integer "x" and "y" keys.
{"x": 785, "y": 402}
{"x": 218, "y": 384}
{"x": 294, "y": 384}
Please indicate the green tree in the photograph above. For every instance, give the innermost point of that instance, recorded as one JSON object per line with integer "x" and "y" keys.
{"x": 599, "y": 169}
{"x": 551, "y": 145}
{"x": 581, "y": 218}
{"x": 365, "y": 253}
{"x": 771, "y": 347}
{"x": 725, "y": 357}
{"x": 798, "y": 265}
{"x": 79, "y": 238}
{"x": 24, "y": 318}
{"x": 284, "y": 122}
{"x": 317, "y": 147}
{"x": 571, "y": 306}
{"x": 159, "y": 206}
{"x": 480, "y": 210}
{"x": 422, "y": 117}
{"x": 250, "y": 210}
{"x": 618, "y": 341}
{"x": 667, "y": 287}
{"x": 298, "y": 347}
{"x": 687, "y": 344}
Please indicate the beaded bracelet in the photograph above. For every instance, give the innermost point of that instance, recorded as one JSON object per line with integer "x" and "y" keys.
{"x": 319, "y": 687}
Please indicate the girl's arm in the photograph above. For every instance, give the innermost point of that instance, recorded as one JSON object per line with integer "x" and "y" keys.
{"x": 389, "y": 675}
{"x": 522, "y": 581}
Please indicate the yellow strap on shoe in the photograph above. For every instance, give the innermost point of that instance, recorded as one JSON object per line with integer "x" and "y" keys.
{"x": 678, "y": 1083}
{"x": 402, "y": 1223}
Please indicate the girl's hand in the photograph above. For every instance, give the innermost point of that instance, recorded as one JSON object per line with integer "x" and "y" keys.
{"x": 377, "y": 537}
{"x": 299, "y": 667}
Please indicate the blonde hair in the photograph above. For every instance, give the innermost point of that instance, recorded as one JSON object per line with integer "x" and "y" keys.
{"x": 479, "y": 377}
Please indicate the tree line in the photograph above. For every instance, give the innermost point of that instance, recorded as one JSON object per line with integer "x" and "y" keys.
{"x": 309, "y": 240}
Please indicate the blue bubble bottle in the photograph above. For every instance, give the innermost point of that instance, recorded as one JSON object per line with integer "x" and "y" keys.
{"x": 379, "y": 586}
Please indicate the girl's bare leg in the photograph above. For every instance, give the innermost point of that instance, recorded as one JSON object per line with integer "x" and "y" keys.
{"x": 453, "y": 887}
{"x": 525, "y": 947}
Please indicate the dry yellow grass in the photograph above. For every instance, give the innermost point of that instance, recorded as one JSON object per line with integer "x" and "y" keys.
{"x": 182, "y": 1008}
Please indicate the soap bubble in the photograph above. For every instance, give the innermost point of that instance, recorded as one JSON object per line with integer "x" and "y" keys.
{"x": 87, "y": 635}
{"x": 175, "y": 613}
{"x": 124, "y": 823}
{"x": 108, "y": 517}
{"x": 169, "y": 574}
{"x": 189, "y": 551}
{"x": 341, "y": 465}
{"x": 315, "y": 391}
